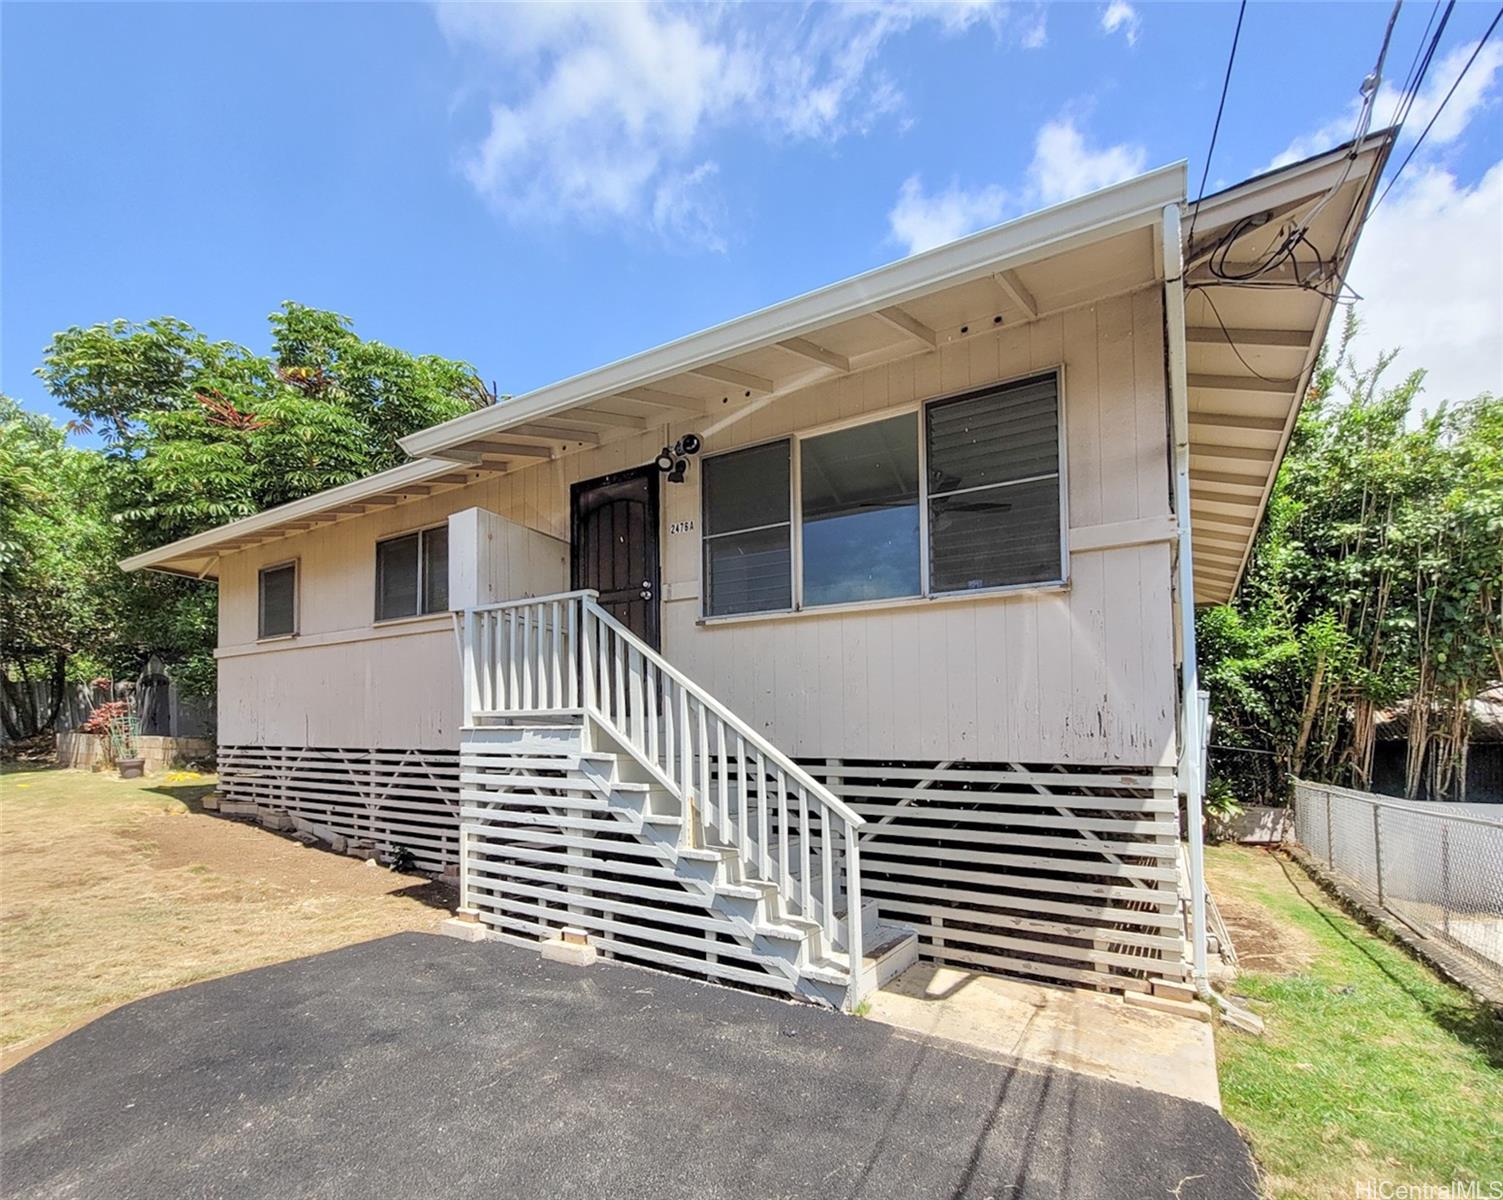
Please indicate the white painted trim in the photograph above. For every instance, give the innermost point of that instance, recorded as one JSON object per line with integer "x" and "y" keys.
{"x": 1114, "y": 535}
{"x": 309, "y": 506}
{"x": 1135, "y": 204}
{"x": 1011, "y": 592}
{"x": 297, "y": 599}
{"x": 402, "y": 627}
{"x": 1190, "y": 783}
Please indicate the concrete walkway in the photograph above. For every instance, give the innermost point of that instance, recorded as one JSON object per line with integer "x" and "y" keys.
{"x": 1055, "y": 1028}
{"x": 419, "y": 1065}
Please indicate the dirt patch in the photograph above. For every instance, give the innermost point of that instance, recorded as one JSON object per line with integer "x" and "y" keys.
{"x": 1263, "y": 942}
{"x": 242, "y": 850}
{"x": 117, "y": 889}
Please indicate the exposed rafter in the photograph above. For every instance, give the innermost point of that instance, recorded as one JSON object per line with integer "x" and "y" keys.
{"x": 1241, "y": 383}
{"x": 804, "y": 348}
{"x": 900, "y": 320}
{"x": 1012, "y": 287}
{"x": 669, "y": 401}
{"x": 734, "y": 377}
{"x": 1271, "y": 338}
{"x": 1224, "y": 420}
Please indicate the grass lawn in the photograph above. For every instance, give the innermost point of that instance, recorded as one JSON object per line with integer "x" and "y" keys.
{"x": 113, "y": 889}
{"x": 1373, "y": 1068}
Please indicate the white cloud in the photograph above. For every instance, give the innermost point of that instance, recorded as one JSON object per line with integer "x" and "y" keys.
{"x": 1064, "y": 166}
{"x": 601, "y": 112}
{"x": 921, "y": 220}
{"x": 1472, "y": 96}
{"x": 1119, "y": 14}
{"x": 1430, "y": 267}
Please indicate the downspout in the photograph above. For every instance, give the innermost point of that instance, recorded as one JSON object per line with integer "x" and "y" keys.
{"x": 1191, "y": 743}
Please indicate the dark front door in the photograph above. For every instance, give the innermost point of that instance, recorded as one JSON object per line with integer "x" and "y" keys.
{"x": 615, "y": 536}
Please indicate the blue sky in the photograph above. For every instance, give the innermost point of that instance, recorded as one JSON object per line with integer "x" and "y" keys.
{"x": 539, "y": 190}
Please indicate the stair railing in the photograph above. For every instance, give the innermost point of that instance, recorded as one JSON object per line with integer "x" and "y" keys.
{"x": 565, "y": 654}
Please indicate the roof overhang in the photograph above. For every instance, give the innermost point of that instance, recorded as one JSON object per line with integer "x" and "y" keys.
{"x": 198, "y": 556}
{"x": 1252, "y": 344}
{"x": 1098, "y": 245}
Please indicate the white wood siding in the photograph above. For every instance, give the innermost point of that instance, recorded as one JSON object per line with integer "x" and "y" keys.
{"x": 1082, "y": 674}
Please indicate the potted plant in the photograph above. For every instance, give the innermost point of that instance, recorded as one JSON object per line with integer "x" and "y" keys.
{"x": 120, "y": 736}
{"x": 125, "y": 746}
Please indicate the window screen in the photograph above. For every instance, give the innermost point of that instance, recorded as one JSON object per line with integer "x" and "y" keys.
{"x": 412, "y": 574}
{"x": 436, "y": 569}
{"x": 277, "y": 601}
{"x": 747, "y": 536}
{"x": 860, "y": 508}
{"x": 993, "y": 477}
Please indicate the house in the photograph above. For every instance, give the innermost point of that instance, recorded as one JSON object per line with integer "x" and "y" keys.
{"x": 855, "y": 628}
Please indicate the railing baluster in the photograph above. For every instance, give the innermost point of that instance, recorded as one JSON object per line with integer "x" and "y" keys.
{"x": 575, "y": 660}
{"x": 784, "y": 886}
{"x": 706, "y": 806}
{"x": 670, "y": 765}
{"x": 826, "y": 866}
{"x": 724, "y": 780}
{"x": 526, "y": 657}
{"x": 685, "y": 744}
{"x": 560, "y": 700}
{"x": 618, "y": 657}
{"x": 650, "y": 712}
{"x": 741, "y": 800}
{"x": 513, "y": 680}
{"x": 585, "y": 650}
{"x": 764, "y": 860}
{"x": 805, "y": 884}
{"x": 540, "y": 654}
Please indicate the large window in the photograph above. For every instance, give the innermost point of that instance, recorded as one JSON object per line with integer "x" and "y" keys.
{"x": 859, "y": 499}
{"x": 412, "y": 574}
{"x": 870, "y": 523}
{"x": 748, "y": 531}
{"x": 993, "y": 464}
{"x": 276, "y": 601}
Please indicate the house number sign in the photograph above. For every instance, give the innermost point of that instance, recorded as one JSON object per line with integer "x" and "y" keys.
{"x": 681, "y": 527}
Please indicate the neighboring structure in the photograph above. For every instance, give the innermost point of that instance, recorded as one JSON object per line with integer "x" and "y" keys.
{"x": 875, "y": 600}
{"x": 1484, "y": 752}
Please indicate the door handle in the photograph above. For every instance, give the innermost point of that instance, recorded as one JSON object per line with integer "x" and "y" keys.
{"x": 647, "y": 593}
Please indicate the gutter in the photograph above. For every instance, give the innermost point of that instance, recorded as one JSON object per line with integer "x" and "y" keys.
{"x": 1191, "y": 783}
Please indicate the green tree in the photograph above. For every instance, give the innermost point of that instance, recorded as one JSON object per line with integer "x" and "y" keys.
{"x": 57, "y": 556}
{"x": 196, "y": 432}
{"x": 1374, "y": 579}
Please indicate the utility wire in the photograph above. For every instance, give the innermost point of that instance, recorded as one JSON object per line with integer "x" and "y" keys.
{"x": 1436, "y": 115}
{"x": 1226, "y": 83}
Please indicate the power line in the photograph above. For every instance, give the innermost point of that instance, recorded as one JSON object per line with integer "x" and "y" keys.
{"x": 1436, "y": 115}
{"x": 1226, "y": 83}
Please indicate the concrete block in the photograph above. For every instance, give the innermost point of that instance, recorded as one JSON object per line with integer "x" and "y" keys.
{"x": 337, "y": 843}
{"x": 1171, "y": 989}
{"x": 210, "y": 802}
{"x": 238, "y": 808}
{"x": 465, "y": 931}
{"x": 1241, "y": 1018}
{"x": 274, "y": 818}
{"x": 1194, "y": 1009}
{"x": 559, "y": 951}
{"x": 365, "y": 850}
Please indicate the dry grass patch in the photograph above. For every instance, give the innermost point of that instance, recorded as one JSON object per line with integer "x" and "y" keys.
{"x": 112, "y": 889}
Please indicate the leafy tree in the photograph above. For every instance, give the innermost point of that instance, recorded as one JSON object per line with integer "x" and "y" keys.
{"x": 1375, "y": 579}
{"x": 196, "y": 432}
{"x": 57, "y": 553}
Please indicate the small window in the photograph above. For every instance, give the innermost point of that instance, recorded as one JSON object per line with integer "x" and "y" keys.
{"x": 860, "y": 509}
{"x": 748, "y": 531}
{"x": 993, "y": 482}
{"x": 277, "y": 601}
{"x": 412, "y": 574}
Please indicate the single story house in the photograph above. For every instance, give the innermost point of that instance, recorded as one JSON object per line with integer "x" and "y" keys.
{"x": 855, "y": 628}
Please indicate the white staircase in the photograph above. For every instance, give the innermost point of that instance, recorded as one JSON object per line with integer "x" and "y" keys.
{"x": 602, "y": 790}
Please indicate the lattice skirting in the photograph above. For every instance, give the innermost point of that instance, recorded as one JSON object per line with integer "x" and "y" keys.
{"x": 394, "y": 798}
{"x": 1055, "y": 872}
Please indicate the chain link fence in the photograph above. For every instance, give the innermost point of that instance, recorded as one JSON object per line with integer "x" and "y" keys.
{"x": 1438, "y": 867}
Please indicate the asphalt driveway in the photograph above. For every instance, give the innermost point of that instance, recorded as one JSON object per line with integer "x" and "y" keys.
{"x": 421, "y": 1066}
